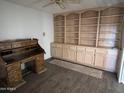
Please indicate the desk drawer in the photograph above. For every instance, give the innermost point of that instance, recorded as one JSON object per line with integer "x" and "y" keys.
{"x": 14, "y": 66}
{"x": 5, "y": 46}
{"x": 27, "y": 59}
{"x": 16, "y": 44}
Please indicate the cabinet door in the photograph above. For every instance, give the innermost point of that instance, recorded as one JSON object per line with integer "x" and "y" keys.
{"x": 56, "y": 50}
{"x": 65, "y": 52}
{"x": 100, "y": 56}
{"x": 53, "y": 50}
{"x": 14, "y": 76}
{"x": 89, "y": 56}
{"x": 39, "y": 63}
{"x": 80, "y": 54}
{"x": 72, "y": 53}
{"x": 69, "y": 52}
{"x": 59, "y": 50}
{"x": 111, "y": 60}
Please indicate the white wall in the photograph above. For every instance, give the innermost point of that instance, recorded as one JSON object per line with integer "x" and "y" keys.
{"x": 123, "y": 38}
{"x": 21, "y": 22}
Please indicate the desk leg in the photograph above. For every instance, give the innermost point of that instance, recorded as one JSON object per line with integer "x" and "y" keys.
{"x": 39, "y": 64}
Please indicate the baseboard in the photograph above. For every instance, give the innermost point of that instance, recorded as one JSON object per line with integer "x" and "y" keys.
{"x": 48, "y": 59}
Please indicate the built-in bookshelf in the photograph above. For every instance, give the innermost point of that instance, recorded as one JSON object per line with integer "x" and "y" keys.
{"x": 111, "y": 21}
{"x": 88, "y": 28}
{"x": 96, "y": 28}
{"x": 72, "y": 28}
{"x": 59, "y": 25}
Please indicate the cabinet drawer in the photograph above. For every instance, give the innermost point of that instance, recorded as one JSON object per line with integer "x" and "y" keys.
{"x": 20, "y": 44}
{"x": 13, "y": 73}
{"x": 40, "y": 60}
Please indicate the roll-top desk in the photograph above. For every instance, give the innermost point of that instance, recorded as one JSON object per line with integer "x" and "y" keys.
{"x": 16, "y": 52}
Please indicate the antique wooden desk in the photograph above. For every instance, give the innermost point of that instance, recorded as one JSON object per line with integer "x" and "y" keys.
{"x": 16, "y": 52}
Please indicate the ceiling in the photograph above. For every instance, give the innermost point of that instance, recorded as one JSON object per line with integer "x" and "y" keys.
{"x": 84, "y": 4}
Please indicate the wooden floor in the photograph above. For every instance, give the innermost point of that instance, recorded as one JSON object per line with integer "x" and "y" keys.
{"x": 60, "y": 80}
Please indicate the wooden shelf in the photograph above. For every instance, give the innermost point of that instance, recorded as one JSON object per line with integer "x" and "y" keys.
{"x": 84, "y": 32}
{"x": 59, "y": 37}
{"x": 89, "y": 13}
{"x": 89, "y": 18}
{"x": 72, "y": 25}
{"x": 91, "y": 28}
{"x": 86, "y": 45}
{"x": 88, "y": 31}
{"x": 112, "y": 11}
{"x": 72, "y": 38}
{"x": 111, "y": 16}
{"x": 59, "y": 24}
{"x": 105, "y": 39}
{"x": 90, "y": 25}
{"x": 72, "y": 28}
{"x": 72, "y": 32}
{"x": 111, "y": 24}
{"x": 73, "y": 19}
{"x": 59, "y": 32}
{"x": 108, "y": 32}
{"x": 58, "y": 21}
{"x": 86, "y": 38}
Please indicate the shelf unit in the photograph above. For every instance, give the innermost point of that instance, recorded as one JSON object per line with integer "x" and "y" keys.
{"x": 95, "y": 28}
{"x": 111, "y": 20}
{"x": 72, "y": 28}
{"x": 88, "y": 28}
{"x": 59, "y": 25}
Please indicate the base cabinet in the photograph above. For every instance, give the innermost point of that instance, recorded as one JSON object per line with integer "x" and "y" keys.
{"x": 85, "y": 55}
{"x": 101, "y": 58}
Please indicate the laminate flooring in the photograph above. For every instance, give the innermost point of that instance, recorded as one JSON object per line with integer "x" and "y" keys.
{"x": 61, "y": 80}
